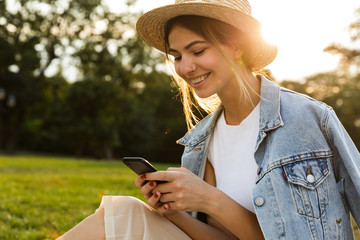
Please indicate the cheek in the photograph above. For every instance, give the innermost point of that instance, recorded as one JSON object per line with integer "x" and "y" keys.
{"x": 212, "y": 60}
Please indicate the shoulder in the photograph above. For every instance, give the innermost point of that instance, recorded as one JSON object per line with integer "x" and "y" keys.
{"x": 301, "y": 106}
{"x": 289, "y": 96}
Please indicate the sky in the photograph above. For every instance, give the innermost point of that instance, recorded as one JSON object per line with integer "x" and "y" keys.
{"x": 300, "y": 29}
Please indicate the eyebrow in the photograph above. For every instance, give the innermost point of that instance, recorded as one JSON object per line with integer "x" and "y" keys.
{"x": 188, "y": 46}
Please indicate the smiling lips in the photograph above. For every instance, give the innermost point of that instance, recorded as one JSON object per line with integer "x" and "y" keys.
{"x": 199, "y": 79}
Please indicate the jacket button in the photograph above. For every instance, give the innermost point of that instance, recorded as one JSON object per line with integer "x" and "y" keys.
{"x": 259, "y": 201}
{"x": 310, "y": 178}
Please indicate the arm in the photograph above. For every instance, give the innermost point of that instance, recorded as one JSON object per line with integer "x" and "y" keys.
{"x": 237, "y": 219}
{"x": 199, "y": 229}
{"x": 193, "y": 227}
{"x": 209, "y": 177}
{"x": 196, "y": 229}
{"x": 186, "y": 192}
{"x": 347, "y": 161}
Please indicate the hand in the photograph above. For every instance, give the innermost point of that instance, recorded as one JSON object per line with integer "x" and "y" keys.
{"x": 152, "y": 196}
{"x": 183, "y": 191}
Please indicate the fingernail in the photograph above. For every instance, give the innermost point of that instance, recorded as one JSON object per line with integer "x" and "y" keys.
{"x": 143, "y": 176}
{"x": 156, "y": 194}
{"x": 166, "y": 207}
{"x": 152, "y": 184}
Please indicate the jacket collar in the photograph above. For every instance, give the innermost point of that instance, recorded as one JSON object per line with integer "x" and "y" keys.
{"x": 202, "y": 130}
{"x": 270, "y": 117}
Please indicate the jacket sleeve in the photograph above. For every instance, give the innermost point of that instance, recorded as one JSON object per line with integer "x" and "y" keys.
{"x": 346, "y": 162}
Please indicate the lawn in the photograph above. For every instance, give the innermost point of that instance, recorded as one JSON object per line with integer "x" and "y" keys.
{"x": 42, "y": 197}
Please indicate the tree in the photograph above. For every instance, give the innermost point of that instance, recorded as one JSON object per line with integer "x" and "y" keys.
{"x": 12, "y": 100}
{"x": 69, "y": 38}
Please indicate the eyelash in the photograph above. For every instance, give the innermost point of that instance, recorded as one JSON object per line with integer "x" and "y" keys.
{"x": 198, "y": 53}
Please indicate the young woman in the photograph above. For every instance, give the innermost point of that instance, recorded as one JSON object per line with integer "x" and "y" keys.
{"x": 266, "y": 163}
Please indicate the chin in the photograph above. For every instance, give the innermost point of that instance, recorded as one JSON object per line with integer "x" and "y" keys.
{"x": 204, "y": 94}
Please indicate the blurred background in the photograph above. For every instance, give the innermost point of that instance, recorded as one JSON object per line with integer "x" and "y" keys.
{"x": 75, "y": 79}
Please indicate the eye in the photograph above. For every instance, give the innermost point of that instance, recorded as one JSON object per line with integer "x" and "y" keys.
{"x": 177, "y": 58}
{"x": 198, "y": 53}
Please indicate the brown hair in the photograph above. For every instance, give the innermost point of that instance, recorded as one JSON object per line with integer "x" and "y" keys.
{"x": 217, "y": 33}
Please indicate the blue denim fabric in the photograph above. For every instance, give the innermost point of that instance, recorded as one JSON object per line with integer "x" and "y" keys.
{"x": 308, "y": 177}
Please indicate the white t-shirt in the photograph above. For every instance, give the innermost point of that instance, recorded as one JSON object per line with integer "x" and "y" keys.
{"x": 231, "y": 153}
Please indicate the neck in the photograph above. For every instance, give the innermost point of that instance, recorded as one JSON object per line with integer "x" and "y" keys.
{"x": 236, "y": 106}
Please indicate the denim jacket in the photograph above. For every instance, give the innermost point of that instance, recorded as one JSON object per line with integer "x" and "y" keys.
{"x": 308, "y": 177}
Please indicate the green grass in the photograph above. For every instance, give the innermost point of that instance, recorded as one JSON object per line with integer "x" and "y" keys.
{"x": 42, "y": 197}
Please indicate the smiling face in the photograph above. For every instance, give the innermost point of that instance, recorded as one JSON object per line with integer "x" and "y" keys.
{"x": 200, "y": 63}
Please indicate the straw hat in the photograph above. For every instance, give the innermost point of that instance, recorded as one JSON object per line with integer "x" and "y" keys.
{"x": 151, "y": 26}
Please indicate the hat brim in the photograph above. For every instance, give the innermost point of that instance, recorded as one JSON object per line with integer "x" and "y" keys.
{"x": 151, "y": 28}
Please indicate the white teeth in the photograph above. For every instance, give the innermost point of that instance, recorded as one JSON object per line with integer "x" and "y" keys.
{"x": 199, "y": 79}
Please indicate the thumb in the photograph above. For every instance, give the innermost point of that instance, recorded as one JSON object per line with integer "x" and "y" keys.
{"x": 173, "y": 169}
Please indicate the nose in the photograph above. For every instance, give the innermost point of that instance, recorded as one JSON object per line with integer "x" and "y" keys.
{"x": 187, "y": 66}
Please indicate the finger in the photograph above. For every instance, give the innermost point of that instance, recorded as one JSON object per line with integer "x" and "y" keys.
{"x": 146, "y": 190}
{"x": 167, "y": 176}
{"x": 173, "y": 169}
{"x": 139, "y": 181}
{"x": 164, "y": 208}
{"x": 154, "y": 200}
{"x": 166, "y": 197}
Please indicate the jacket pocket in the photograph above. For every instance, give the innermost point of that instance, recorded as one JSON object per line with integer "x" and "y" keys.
{"x": 308, "y": 183}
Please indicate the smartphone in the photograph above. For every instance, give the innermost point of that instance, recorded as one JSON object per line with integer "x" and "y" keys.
{"x": 140, "y": 166}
